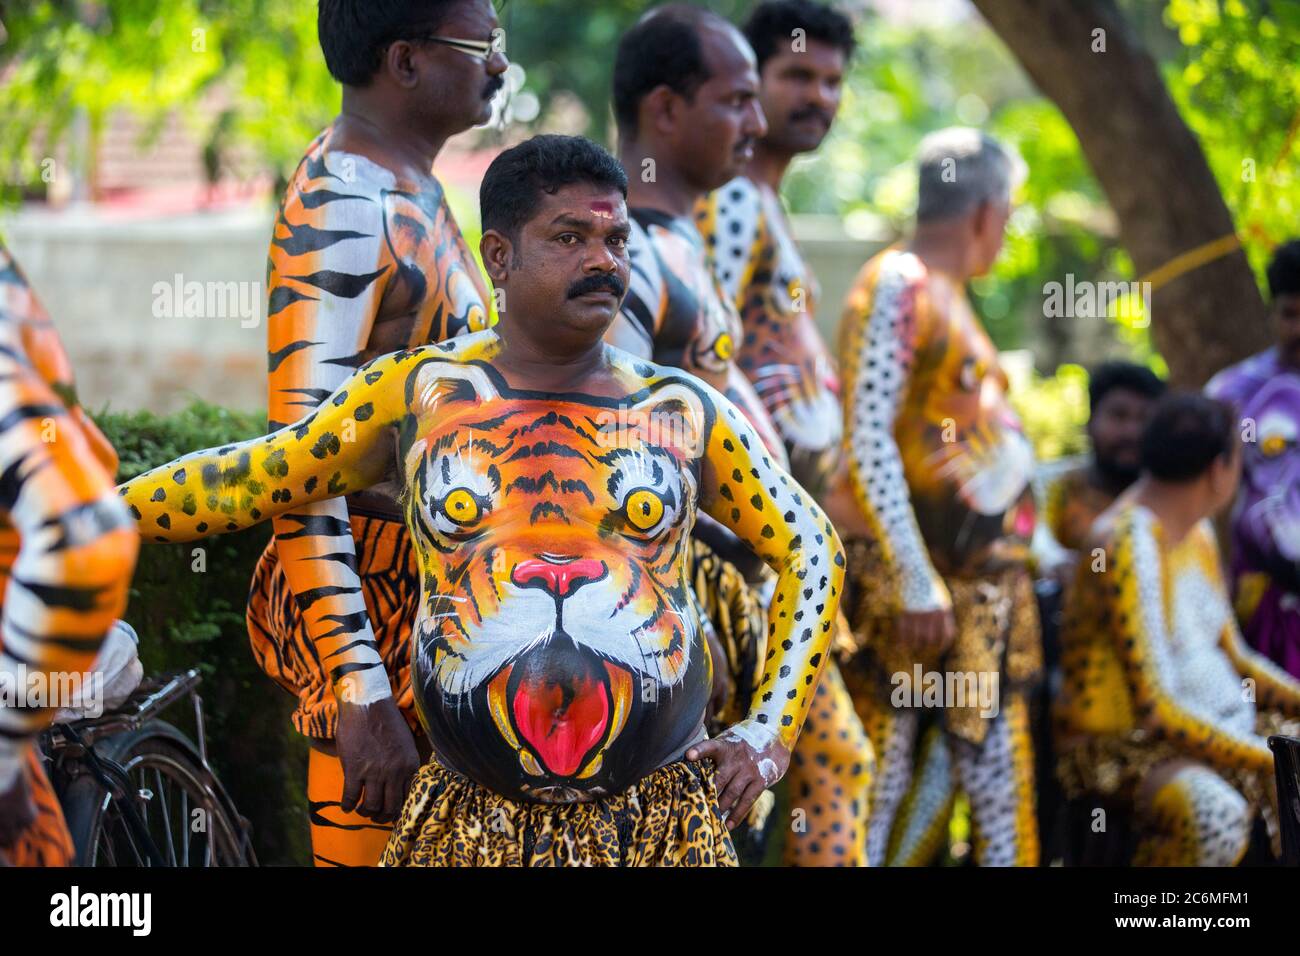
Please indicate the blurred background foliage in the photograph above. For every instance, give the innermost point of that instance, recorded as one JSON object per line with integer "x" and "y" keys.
{"x": 1232, "y": 66}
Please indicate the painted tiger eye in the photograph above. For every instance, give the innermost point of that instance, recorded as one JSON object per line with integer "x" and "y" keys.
{"x": 644, "y": 509}
{"x": 724, "y": 348}
{"x": 461, "y": 507}
{"x": 1272, "y": 446}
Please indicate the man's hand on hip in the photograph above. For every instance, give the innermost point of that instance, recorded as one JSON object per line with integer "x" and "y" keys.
{"x": 377, "y": 750}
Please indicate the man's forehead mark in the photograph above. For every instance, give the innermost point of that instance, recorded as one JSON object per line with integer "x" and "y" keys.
{"x": 603, "y": 209}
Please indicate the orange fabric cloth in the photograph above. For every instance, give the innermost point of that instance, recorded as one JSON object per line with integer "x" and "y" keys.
{"x": 283, "y": 648}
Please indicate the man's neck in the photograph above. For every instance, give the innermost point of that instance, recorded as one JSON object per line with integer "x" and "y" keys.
{"x": 1287, "y": 361}
{"x": 942, "y": 250}
{"x": 769, "y": 165}
{"x": 541, "y": 366}
{"x": 385, "y": 136}
{"x": 1177, "y": 507}
{"x": 1107, "y": 480}
{"x": 667, "y": 190}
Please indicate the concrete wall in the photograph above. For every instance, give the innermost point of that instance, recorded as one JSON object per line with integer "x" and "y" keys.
{"x": 131, "y": 348}
{"x": 835, "y": 258}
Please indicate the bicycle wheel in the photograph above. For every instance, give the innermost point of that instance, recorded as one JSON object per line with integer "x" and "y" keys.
{"x": 182, "y": 806}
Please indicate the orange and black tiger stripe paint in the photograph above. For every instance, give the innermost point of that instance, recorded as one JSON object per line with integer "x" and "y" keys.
{"x": 67, "y": 548}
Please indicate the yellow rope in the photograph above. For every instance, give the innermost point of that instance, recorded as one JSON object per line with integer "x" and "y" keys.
{"x": 1193, "y": 259}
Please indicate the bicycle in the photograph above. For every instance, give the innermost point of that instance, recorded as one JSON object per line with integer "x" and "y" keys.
{"x": 136, "y": 791}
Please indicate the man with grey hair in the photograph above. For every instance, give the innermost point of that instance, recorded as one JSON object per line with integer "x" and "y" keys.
{"x": 941, "y": 509}
{"x": 958, "y": 168}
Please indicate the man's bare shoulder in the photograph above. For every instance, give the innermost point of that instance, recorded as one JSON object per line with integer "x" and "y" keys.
{"x": 421, "y": 367}
{"x": 638, "y": 373}
{"x": 1120, "y": 522}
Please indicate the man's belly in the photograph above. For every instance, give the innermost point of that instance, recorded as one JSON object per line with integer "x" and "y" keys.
{"x": 558, "y": 722}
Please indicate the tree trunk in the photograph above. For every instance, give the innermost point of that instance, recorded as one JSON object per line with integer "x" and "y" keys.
{"x": 1152, "y": 170}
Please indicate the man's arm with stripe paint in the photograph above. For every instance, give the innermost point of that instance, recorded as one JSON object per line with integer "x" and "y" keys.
{"x": 68, "y": 580}
{"x": 329, "y": 269}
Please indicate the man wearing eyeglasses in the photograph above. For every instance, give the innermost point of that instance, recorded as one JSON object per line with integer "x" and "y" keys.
{"x": 366, "y": 258}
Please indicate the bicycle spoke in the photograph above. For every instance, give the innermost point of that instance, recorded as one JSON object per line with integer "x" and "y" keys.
{"x": 189, "y": 834}
{"x": 209, "y": 851}
{"x": 139, "y": 798}
{"x": 161, "y": 796}
{"x": 105, "y": 842}
{"x": 136, "y": 851}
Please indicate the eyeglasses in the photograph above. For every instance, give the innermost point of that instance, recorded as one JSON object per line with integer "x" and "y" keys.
{"x": 480, "y": 49}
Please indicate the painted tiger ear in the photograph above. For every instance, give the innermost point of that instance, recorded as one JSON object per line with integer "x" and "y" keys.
{"x": 441, "y": 385}
{"x": 673, "y": 417}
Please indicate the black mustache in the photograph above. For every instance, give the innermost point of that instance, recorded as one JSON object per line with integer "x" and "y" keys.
{"x": 494, "y": 84}
{"x": 809, "y": 112}
{"x": 598, "y": 283}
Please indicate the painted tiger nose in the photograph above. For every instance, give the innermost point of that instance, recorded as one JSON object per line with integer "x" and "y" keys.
{"x": 561, "y": 579}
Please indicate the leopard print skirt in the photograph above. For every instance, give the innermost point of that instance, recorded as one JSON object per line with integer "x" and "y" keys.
{"x": 998, "y": 631}
{"x": 669, "y": 818}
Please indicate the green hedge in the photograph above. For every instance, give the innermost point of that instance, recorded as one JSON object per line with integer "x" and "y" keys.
{"x": 187, "y": 617}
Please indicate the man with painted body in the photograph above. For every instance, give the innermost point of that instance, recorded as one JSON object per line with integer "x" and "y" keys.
{"x": 940, "y": 470}
{"x": 366, "y": 258}
{"x": 1163, "y": 707}
{"x": 66, "y": 556}
{"x": 550, "y": 483}
{"x": 1120, "y": 398}
{"x": 1265, "y": 389}
{"x": 802, "y": 49}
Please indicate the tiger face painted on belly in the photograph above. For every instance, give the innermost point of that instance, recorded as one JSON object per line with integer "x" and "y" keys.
{"x": 554, "y": 594}
{"x": 556, "y": 655}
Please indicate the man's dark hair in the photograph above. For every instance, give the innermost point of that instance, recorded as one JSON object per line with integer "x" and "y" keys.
{"x": 1284, "y": 270}
{"x": 770, "y": 27}
{"x": 1185, "y": 435}
{"x": 663, "y": 48}
{"x": 513, "y": 185}
{"x": 1129, "y": 376}
{"x": 354, "y": 33}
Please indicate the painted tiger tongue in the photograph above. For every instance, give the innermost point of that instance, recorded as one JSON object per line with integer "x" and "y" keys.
{"x": 561, "y": 718}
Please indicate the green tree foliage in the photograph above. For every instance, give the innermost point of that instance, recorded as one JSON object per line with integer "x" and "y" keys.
{"x": 71, "y": 60}
{"x": 1236, "y": 78}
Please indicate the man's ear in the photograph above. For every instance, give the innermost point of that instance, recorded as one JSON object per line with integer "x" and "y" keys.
{"x": 399, "y": 64}
{"x": 1219, "y": 478}
{"x": 497, "y": 251}
{"x": 661, "y": 109}
{"x": 982, "y": 218}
